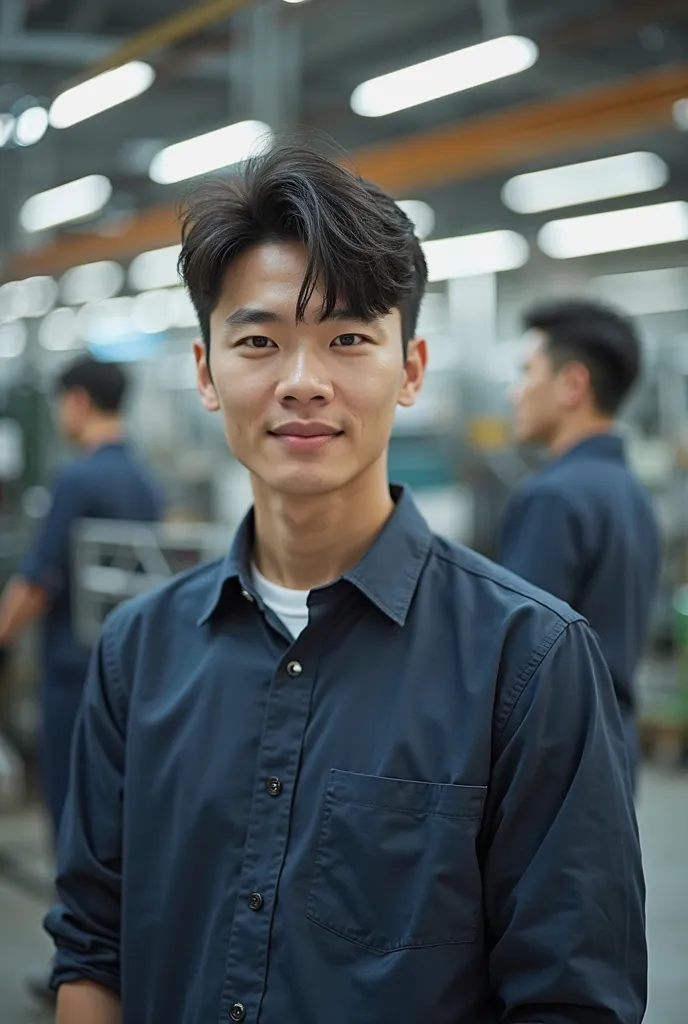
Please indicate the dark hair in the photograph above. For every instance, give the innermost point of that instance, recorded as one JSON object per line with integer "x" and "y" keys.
{"x": 604, "y": 340}
{"x": 104, "y": 383}
{"x": 362, "y": 250}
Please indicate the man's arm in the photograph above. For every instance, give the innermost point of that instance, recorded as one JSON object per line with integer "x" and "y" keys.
{"x": 563, "y": 880}
{"x": 85, "y": 924}
{"x": 20, "y": 604}
{"x": 84, "y": 1001}
{"x": 541, "y": 541}
{"x": 44, "y": 570}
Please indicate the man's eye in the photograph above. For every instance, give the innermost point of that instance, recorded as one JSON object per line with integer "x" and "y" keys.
{"x": 257, "y": 341}
{"x": 348, "y": 340}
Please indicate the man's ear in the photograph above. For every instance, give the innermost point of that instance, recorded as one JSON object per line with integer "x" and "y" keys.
{"x": 204, "y": 380}
{"x": 414, "y": 371}
{"x": 577, "y": 379}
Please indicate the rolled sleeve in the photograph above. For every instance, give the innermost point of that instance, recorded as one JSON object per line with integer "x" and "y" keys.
{"x": 47, "y": 563}
{"x": 85, "y": 924}
{"x": 541, "y": 541}
{"x": 564, "y": 888}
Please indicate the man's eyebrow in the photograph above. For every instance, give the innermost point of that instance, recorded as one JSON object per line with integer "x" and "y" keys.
{"x": 250, "y": 316}
{"x": 341, "y": 313}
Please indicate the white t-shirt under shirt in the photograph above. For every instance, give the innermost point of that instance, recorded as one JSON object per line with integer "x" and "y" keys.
{"x": 290, "y": 606}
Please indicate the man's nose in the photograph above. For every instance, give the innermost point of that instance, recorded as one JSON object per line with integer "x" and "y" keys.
{"x": 514, "y": 394}
{"x": 304, "y": 379}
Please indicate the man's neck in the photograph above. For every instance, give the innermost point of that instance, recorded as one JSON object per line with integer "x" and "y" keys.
{"x": 303, "y": 543}
{"x": 100, "y": 431}
{"x": 572, "y": 434}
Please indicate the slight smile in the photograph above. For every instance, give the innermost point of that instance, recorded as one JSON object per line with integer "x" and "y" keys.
{"x": 305, "y": 435}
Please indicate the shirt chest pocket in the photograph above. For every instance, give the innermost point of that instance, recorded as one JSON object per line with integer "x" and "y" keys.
{"x": 396, "y": 864}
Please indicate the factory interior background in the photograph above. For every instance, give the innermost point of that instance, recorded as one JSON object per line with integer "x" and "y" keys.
{"x": 545, "y": 154}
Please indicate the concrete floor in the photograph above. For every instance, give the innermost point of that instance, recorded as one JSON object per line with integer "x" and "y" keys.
{"x": 663, "y": 813}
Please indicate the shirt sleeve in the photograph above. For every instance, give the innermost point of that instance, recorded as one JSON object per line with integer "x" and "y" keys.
{"x": 563, "y": 879}
{"x": 541, "y": 542}
{"x": 47, "y": 563}
{"x": 85, "y": 923}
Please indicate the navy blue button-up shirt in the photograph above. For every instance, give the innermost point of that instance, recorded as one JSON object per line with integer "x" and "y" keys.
{"x": 108, "y": 483}
{"x": 416, "y": 811}
{"x": 583, "y": 528}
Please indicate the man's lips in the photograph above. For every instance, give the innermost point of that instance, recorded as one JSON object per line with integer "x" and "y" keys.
{"x": 305, "y": 435}
{"x": 305, "y": 428}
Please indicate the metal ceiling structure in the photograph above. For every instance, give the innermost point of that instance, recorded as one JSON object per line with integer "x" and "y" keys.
{"x": 607, "y": 78}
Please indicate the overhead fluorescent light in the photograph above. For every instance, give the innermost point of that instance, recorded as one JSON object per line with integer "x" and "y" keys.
{"x": 91, "y": 282}
{"x": 471, "y": 255}
{"x": 31, "y": 297}
{"x": 421, "y": 215}
{"x": 442, "y": 76}
{"x": 154, "y": 312}
{"x": 7, "y": 123}
{"x": 38, "y": 295}
{"x": 587, "y": 182}
{"x": 186, "y": 315}
{"x": 57, "y": 332}
{"x": 155, "y": 269}
{"x": 100, "y": 93}
{"x": 12, "y": 339}
{"x": 31, "y": 126}
{"x": 611, "y": 232}
{"x": 642, "y": 292}
{"x": 210, "y": 152}
{"x": 680, "y": 112}
{"x": 73, "y": 201}
{"x": 99, "y": 322}
{"x": 11, "y": 300}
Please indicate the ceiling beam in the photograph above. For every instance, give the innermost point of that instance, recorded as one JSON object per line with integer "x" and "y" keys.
{"x": 632, "y": 14}
{"x": 62, "y": 49}
{"x": 101, "y": 52}
{"x": 522, "y": 134}
{"x": 168, "y": 32}
{"x": 499, "y": 141}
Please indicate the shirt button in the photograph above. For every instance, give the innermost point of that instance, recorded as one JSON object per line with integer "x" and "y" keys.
{"x": 238, "y": 1011}
{"x": 274, "y": 786}
{"x": 248, "y": 597}
{"x": 294, "y": 668}
{"x": 255, "y": 901}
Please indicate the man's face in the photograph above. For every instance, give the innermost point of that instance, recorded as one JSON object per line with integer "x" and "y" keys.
{"x": 536, "y": 398}
{"x": 71, "y": 412}
{"x": 308, "y": 407}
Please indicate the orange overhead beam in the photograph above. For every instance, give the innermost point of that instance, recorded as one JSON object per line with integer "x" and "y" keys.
{"x": 174, "y": 29}
{"x": 510, "y": 137}
{"x": 497, "y": 141}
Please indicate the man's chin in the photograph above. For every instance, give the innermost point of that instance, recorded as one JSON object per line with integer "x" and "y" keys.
{"x": 304, "y": 483}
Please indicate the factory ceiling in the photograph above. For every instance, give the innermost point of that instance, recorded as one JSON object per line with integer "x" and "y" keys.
{"x": 609, "y": 79}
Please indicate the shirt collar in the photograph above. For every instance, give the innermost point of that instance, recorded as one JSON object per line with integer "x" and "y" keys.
{"x": 600, "y": 446}
{"x": 387, "y": 574}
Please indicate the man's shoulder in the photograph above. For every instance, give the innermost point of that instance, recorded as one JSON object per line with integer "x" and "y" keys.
{"x": 552, "y": 480}
{"x": 174, "y": 605}
{"x": 496, "y": 587}
{"x": 71, "y": 473}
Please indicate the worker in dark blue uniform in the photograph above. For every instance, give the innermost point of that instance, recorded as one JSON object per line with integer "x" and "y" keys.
{"x": 584, "y": 528}
{"x": 349, "y": 772}
{"x": 107, "y": 482}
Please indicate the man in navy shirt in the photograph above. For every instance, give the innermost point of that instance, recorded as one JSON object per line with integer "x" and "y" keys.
{"x": 350, "y": 772}
{"x": 106, "y": 482}
{"x": 583, "y": 528}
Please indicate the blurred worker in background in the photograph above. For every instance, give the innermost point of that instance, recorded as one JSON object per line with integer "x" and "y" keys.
{"x": 583, "y": 528}
{"x": 107, "y": 482}
{"x": 349, "y": 772}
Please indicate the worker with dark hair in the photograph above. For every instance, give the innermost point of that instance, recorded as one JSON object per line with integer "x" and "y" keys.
{"x": 584, "y": 528}
{"x": 107, "y": 482}
{"x": 349, "y": 772}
